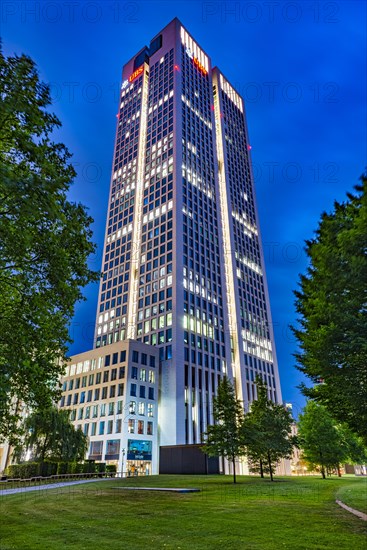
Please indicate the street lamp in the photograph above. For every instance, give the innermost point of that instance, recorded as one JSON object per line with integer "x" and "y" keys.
{"x": 122, "y": 463}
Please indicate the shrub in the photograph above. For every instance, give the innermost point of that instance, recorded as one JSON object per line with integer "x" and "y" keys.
{"x": 100, "y": 468}
{"x": 24, "y": 471}
{"x": 89, "y": 467}
{"x": 48, "y": 469}
{"x": 29, "y": 470}
{"x": 63, "y": 468}
{"x": 111, "y": 469}
{"x": 76, "y": 468}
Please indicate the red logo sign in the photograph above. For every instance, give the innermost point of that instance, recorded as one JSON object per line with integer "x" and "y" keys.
{"x": 136, "y": 73}
{"x": 199, "y": 65}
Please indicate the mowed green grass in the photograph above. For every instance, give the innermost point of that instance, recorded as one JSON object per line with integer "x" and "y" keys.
{"x": 291, "y": 513}
{"x": 354, "y": 495}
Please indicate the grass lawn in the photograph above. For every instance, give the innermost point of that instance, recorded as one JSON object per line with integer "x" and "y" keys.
{"x": 354, "y": 495}
{"x": 291, "y": 513}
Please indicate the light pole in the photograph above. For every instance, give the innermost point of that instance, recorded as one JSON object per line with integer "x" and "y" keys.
{"x": 122, "y": 463}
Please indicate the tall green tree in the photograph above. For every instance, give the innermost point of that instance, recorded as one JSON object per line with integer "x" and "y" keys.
{"x": 354, "y": 447}
{"x": 45, "y": 241}
{"x": 225, "y": 437}
{"x": 267, "y": 432}
{"x": 321, "y": 443}
{"x": 331, "y": 303}
{"x": 51, "y": 435}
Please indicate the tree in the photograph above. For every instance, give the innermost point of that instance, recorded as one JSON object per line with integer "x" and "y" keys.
{"x": 45, "y": 241}
{"x": 225, "y": 437}
{"x": 331, "y": 303}
{"x": 51, "y": 435}
{"x": 355, "y": 450}
{"x": 319, "y": 439}
{"x": 267, "y": 432}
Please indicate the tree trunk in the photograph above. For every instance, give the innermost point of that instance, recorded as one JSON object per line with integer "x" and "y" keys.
{"x": 234, "y": 469}
{"x": 339, "y": 472}
{"x": 270, "y": 468}
{"x": 261, "y": 468}
{"x": 322, "y": 466}
{"x": 44, "y": 448}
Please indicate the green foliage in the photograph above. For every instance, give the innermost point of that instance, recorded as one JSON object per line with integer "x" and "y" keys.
{"x": 48, "y": 469}
{"x": 225, "y": 437}
{"x": 29, "y": 470}
{"x": 100, "y": 468}
{"x": 24, "y": 471}
{"x": 266, "y": 431}
{"x": 331, "y": 303}
{"x": 77, "y": 468}
{"x": 50, "y": 434}
{"x": 45, "y": 241}
{"x": 63, "y": 468}
{"x": 321, "y": 443}
{"x": 355, "y": 449}
{"x": 111, "y": 469}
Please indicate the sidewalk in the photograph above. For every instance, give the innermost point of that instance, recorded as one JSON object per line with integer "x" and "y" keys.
{"x": 4, "y": 492}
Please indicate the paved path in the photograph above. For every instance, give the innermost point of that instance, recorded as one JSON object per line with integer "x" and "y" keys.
{"x": 171, "y": 489}
{"x": 4, "y": 492}
{"x": 357, "y": 513}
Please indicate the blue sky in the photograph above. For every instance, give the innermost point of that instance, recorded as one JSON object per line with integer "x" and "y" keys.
{"x": 301, "y": 68}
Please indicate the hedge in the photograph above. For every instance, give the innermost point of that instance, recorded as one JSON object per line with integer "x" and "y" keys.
{"x": 32, "y": 469}
{"x": 29, "y": 470}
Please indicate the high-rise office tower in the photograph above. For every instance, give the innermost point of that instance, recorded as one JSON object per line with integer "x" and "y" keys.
{"x": 183, "y": 268}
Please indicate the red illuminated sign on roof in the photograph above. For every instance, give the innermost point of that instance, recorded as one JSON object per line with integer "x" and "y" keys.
{"x": 136, "y": 73}
{"x": 199, "y": 65}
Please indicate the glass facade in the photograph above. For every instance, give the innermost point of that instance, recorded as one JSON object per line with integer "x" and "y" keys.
{"x": 183, "y": 267}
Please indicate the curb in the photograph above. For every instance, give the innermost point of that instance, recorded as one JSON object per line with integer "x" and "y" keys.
{"x": 357, "y": 513}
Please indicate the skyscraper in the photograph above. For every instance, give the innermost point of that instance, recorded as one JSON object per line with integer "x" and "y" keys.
{"x": 183, "y": 268}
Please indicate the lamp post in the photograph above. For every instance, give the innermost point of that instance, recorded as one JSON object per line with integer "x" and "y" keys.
{"x": 122, "y": 463}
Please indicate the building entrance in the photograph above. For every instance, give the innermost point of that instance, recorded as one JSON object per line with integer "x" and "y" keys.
{"x": 139, "y": 468}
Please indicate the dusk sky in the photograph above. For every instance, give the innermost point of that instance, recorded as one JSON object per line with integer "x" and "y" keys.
{"x": 300, "y": 67}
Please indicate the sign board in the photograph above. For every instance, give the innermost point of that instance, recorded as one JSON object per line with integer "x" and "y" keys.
{"x": 139, "y": 449}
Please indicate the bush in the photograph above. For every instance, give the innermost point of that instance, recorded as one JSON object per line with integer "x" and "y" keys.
{"x": 100, "y": 468}
{"x": 29, "y": 470}
{"x": 76, "y": 468}
{"x": 63, "y": 468}
{"x": 89, "y": 467}
{"x": 111, "y": 469}
{"x": 24, "y": 471}
{"x": 48, "y": 469}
